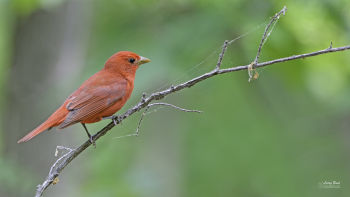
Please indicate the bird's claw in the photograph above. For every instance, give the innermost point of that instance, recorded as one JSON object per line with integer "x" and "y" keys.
{"x": 113, "y": 118}
{"x": 92, "y": 141}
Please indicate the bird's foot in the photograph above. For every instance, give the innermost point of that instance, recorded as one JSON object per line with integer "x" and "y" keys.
{"x": 92, "y": 141}
{"x": 113, "y": 117}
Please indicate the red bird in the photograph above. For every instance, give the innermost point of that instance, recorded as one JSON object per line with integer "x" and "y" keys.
{"x": 102, "y": 95}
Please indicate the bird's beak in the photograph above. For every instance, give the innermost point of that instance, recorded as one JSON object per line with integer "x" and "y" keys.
{"x": 143, "y": 60}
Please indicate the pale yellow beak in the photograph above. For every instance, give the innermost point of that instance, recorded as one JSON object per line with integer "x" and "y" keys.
{"x": 143, "y": 60}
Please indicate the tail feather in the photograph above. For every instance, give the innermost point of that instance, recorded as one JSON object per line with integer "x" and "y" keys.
{"x": 54, "y": 120}
{"x": 44, "y": 126}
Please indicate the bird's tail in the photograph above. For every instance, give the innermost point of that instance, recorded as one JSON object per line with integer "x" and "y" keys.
{"x": 54, "y": 120}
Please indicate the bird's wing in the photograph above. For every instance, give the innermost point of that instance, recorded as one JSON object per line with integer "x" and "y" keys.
{"x": 89, "y": 102}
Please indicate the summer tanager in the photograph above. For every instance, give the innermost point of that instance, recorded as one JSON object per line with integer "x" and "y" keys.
{"x": 102, "y": 95}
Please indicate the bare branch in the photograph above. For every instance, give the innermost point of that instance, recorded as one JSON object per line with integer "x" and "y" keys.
{"x": 40, "y": 188}
{"x": 145, "y": 103}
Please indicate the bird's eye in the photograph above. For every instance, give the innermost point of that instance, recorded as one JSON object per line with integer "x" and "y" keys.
{"x": 131, "y": 60}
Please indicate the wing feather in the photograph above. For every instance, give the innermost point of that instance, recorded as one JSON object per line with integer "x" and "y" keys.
{"x": 90, "y": 102}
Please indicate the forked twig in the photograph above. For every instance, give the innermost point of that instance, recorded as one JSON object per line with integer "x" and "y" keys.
{"x": 252, "y": 73}
{"x": 137, "y": 132}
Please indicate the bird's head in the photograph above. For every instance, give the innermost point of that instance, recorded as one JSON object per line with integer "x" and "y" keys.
{"x": 125, "y": 62}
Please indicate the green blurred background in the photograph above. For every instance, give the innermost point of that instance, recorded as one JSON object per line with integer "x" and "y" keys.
{"x": 280, "y": 135}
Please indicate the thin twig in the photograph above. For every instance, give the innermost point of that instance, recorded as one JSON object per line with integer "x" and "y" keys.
{"x": 221, "y": 56}
{"x": 137, "y": 132}
{"x": 252, "y": 73}
{"x": 266, "y": 33}
{"x": 146, "y": 101}
{"x": 174, "y": 106}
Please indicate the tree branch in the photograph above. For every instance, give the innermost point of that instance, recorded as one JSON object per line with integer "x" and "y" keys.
{"x": 145, "y": 102}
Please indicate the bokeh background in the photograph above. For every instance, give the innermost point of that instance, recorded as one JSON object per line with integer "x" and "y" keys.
{"x": 280, "y": 135}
